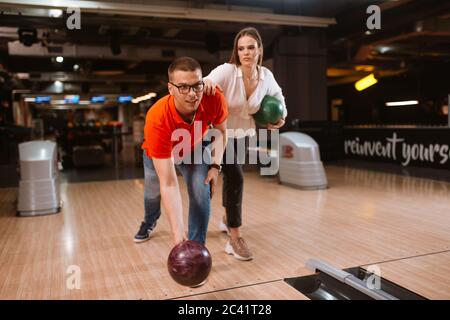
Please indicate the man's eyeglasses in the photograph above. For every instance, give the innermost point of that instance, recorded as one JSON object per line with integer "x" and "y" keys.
{"x": 185, "y": 88}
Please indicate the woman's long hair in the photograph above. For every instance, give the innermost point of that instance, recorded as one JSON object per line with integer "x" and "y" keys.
{"x": 251, "y": 32}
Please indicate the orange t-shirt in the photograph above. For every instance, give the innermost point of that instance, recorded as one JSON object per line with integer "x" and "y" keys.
{"x": 163, "y": 119}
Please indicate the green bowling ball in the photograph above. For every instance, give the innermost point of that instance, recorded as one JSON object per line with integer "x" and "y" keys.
{"x": 270, "y": 111}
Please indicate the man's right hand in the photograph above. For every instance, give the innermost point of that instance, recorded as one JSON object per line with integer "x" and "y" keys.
{"x": 178, "y": 239}
{"x": 170, "y": 197}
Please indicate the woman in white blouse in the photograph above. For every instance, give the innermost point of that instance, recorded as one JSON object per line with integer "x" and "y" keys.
{"x": 244, "y": 82}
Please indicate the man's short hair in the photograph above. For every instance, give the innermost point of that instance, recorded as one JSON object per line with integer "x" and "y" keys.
{"x": 183, "y": 64}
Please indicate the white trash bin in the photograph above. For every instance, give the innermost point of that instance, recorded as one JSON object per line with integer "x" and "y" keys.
{"x": 39, "y": 183}
{"x": 300, "y": 163}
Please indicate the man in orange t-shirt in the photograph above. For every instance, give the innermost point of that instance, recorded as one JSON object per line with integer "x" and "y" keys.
{"x": 175, "y": 127}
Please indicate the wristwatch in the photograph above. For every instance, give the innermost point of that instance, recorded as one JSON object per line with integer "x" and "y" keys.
{"x": 217, "y": 166}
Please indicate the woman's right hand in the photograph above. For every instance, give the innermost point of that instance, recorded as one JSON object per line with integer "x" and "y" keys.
{"x": 210, "y": 88}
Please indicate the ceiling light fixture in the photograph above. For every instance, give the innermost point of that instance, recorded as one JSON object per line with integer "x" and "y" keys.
{"x": 143, "y": 98}
{"x": 402, "y": 103}
{"x": 366, "y": 82}
{"x": 55, "y": 13}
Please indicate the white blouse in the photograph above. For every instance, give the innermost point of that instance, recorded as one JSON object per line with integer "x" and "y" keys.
{"x": 240, "y": 109}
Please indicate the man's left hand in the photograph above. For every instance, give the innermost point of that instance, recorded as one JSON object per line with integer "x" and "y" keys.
{"x": 211, "y": 179}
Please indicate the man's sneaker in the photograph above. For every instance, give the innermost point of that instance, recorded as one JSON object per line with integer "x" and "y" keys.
{"x": 239, "y": 249}
{"x": 223, "y": 225}
{"x": 144, "y": 232}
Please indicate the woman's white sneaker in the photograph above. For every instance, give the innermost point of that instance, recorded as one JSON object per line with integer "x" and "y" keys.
{"x": 223, "y": 225}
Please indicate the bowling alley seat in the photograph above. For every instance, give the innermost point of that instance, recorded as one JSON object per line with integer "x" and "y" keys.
{"x": 299, "y": 162}
{"x": 39, "y": 183}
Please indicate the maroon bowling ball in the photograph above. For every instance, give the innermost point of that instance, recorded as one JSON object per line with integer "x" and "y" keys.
{"x": 189, "y": 263}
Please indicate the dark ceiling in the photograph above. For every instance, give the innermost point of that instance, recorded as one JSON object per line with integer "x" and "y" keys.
{"x": 411, "y": 30}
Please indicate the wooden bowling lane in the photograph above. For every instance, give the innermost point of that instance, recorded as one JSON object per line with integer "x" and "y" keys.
{"x": 274, "y": 290}
{"x": 427, "y": 275}
{"x": 364, "y": 217}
